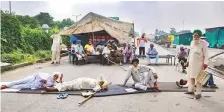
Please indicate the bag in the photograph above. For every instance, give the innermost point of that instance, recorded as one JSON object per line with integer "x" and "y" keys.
{"x": 202, "y": 77}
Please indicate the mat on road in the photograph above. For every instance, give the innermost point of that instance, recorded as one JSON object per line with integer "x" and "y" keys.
{"x": 116, "y": 90}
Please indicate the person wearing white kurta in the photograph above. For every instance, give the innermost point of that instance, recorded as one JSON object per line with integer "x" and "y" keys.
{"x": 142, "y": 80}
{"x": 80, "y": 84}
{"x": 56, "y": 48}
{"x": 197, "y": 60}
{"x": 35, "y": 81}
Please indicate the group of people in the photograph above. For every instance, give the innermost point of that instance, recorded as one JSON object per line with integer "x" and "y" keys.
{"x": 195, "y": 59}
{"x": 55, "y": 81}
{"x": 109, "y": 51}
{"x": 151, "y": 53}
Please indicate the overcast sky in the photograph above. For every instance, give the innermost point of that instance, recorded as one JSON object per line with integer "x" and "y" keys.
{"x": 147, "y": 16}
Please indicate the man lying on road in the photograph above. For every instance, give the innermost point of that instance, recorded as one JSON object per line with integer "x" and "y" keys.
{"x": 79, "y": 84}
{"x": 142, "y": 81}
{"x": 36, "y": 81}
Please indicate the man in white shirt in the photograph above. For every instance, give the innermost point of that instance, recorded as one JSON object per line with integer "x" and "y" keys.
{"x": 141, "y": 80}
{"x": 141, "y": 43}
{"x": 80, "y": 84}
{"x": 106, "y": 53}
{"x": 56, "y": 48}
{"x": 35, "y": 81}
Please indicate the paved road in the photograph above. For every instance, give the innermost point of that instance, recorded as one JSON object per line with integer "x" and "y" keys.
{"x": 149, "y": 102}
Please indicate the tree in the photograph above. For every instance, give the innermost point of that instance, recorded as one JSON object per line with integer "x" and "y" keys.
{"x": 65, "y": 23}
{"x": 173, "y": 31}
{"x": 156, "y": 32}
{"x": 28, "y": 21}
{"x": 10, "y": 32}
{"x": 45, "y": 18}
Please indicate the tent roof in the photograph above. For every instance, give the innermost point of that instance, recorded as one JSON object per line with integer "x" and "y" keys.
{"x": 183, "y": 32}
{"x": 222, "y": 27}
{"x": 93, "y": 22}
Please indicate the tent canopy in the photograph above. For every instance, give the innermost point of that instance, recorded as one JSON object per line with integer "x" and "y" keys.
{"x": 215, "y": 36}
{"x": 93, "y": 22}
{"x": 183, "y": 37}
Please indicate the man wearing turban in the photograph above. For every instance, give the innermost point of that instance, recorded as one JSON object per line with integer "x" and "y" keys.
{"x": 197, "y": 60}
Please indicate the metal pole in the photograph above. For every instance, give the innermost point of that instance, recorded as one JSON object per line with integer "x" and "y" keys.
{"x": 76, "y": 18}
{"x": 10, "y": 7}
{"x": 134, "y": 40}
{"x": 183, "y": 24}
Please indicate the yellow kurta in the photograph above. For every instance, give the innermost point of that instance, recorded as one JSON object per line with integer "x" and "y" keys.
{"x": 197, "y": 57}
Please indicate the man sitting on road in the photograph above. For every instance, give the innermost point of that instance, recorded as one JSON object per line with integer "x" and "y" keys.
{"x": 36, "y": 81}
{"x": 142, "y": 81}
{"x": 152, "y": 54}
{"x": 80, "y": 84}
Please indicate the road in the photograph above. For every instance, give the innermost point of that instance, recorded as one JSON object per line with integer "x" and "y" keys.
{"x": 147, "y": 102}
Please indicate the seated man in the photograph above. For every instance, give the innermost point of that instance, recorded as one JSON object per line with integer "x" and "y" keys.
{"x": 72, "y": 51}
{"x": 99, "y": 48}
{"x": 127, "y": 54}
{"x": 114, "y": 46}
{"x": 80, "y": 84}
{"x": 142, "y": 81}
{"x": 89, "y": 48}
{"x": 79, "y": 51}
{"x": 151, "y": 54}
{"x": 182, "y": 57}
{"x": 106, "y": 53}
{"x": 36, "y": 81}
{"x": 210, "y": 83}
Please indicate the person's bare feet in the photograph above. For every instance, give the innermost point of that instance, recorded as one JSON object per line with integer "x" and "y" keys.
{"x": 4, "y": 87}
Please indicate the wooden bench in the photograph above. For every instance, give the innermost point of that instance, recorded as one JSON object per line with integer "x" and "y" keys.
{"x": 167, "y": 57}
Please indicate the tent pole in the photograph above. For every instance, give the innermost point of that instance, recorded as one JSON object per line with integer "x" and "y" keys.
{"x": 92, "y": 31}
{"x": 133, "y": 36}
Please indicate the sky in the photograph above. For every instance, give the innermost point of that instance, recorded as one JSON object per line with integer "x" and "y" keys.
{"x": 147, "y": 15}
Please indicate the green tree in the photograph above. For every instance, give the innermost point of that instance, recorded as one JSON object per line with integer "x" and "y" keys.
{"x": 28, "y": 21}
{"x": 45, "y": 18}
{"x": 173, "y": 31}
{"x": 64, "y": 23}
{"x": 10, "y": 32}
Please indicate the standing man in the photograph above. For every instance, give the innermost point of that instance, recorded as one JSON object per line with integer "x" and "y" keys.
{"x": 142, "y": 81}
{"x": 56, "y": 48}
{"x": 141, "y": 43}
{"x": 197, "y": 60}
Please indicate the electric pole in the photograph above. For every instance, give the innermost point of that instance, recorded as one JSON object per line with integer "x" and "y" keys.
{"x": 183, "y": 24}
{"x": 10, "y": 7}
{"x": 76, "y": 18}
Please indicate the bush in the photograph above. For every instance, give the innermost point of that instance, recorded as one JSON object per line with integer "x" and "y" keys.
{"x": 42, "y": 54}
{"x": 19, "y": 57}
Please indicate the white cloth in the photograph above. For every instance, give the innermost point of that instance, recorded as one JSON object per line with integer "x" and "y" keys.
{"x": 31, "y": 82}
{"x": 78, "y": 84}
{"x": 142, "y": 81}
{"x": 56, "y": 42}
{"x": 142, "y": 43}
{"x": 81, "y": 56}
{"x": 195, "y": 58}
{"x": 106, "y": 51}
{"x": 56, "y": 55}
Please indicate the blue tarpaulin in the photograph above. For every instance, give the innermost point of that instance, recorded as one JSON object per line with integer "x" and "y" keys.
{"x": 73, "y": 38}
